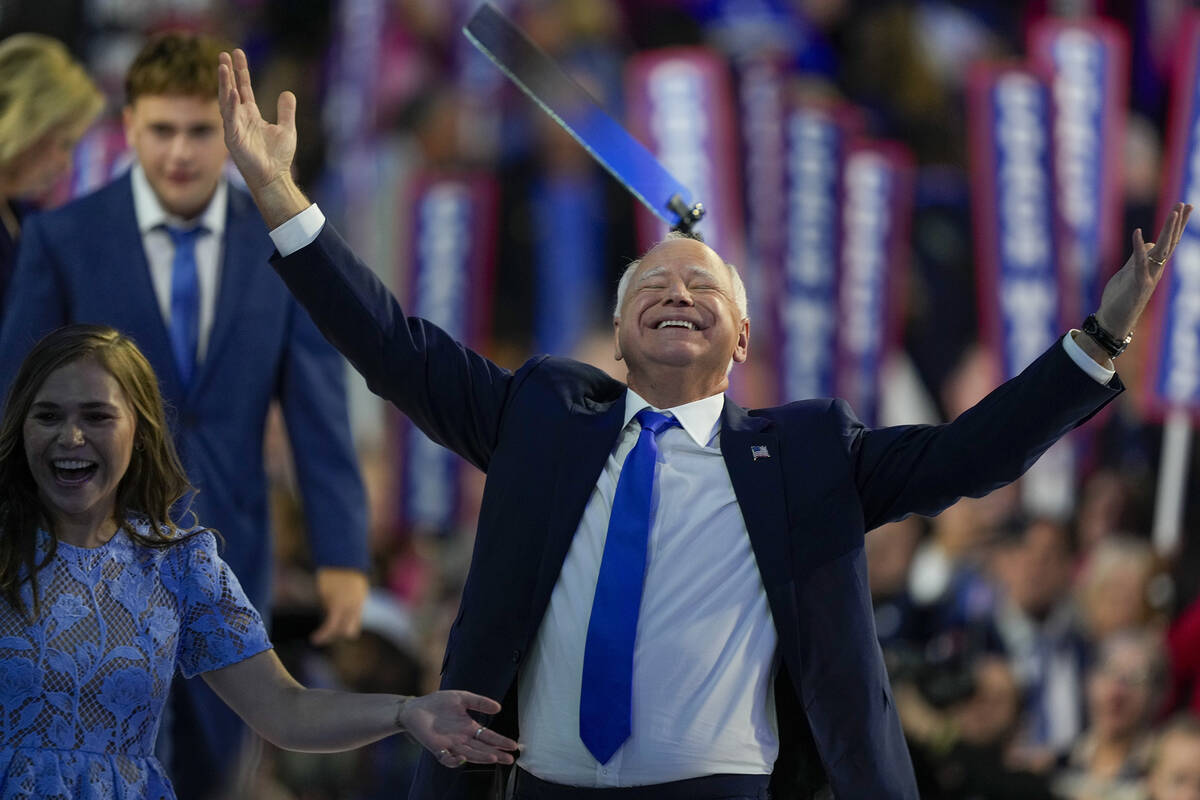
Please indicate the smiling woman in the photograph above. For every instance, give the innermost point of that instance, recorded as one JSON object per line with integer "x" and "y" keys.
{"x": 105, "y": 594}
{"x": 47, "y": 101}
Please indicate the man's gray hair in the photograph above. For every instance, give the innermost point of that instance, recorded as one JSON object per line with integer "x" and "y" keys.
{"x": 739, "y": 288}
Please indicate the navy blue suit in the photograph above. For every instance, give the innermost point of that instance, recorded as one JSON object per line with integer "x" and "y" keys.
{"x": 542, "y": 434}
{"x": 85, "y": 263}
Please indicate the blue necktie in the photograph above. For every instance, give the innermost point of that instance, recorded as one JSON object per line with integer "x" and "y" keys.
{"x": 185, "y": 300}
{"x": 606, "y": 695}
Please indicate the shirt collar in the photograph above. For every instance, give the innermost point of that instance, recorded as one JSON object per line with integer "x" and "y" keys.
{"x": 150, "y": 213}
{"x": 699, "y": 418}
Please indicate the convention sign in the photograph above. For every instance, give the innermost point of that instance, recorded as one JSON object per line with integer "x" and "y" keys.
{"x": 680, "y": 105}
{"x": 762, "y": 105}
{"x": 1174, "y": 324}
{"x": 1012, "y": 181}
{"x": 1017, "y": 265}
{"x": 816, "y": 136}
{"x": 1088, "y": 63}
{"x": 877, "y": 200}
{"x": 448, "y": 280}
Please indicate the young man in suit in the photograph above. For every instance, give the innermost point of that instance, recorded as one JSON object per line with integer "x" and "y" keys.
{"x": 668, "y": 592}
{"x": 175, "y": 256}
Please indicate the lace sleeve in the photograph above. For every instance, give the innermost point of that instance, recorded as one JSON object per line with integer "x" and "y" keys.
{"x": 218, "y": 626}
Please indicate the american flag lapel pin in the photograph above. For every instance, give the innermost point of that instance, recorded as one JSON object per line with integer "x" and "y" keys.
{"x": 759, "y": 451}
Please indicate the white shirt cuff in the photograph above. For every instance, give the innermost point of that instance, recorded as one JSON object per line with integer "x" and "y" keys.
{"x": 299, "y": 231}
{"x": 1100, "y": 374}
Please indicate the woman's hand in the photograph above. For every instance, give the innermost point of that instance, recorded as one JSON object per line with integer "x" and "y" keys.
{"x": 440, "y": 722}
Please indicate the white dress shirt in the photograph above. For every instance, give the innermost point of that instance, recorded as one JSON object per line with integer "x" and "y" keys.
{"x": 160, "y": 250}
{"x": 704, "y": 659}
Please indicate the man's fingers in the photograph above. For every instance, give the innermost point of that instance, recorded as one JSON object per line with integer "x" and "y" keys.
{"x": 324, "y": 634}
{"x": 241, "y": 70}
{"x": 1140, "y": 248}
{"x": 285, "y": 110}
{"x": 336, "y": 625}
{"x": 227, "y": 96}
{"x": 1181, "y": 224}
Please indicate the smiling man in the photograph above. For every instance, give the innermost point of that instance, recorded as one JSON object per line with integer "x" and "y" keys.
{"x": 685, "y": 317}
{"x": 174, "y": 256}
{"x": 668, "y": 592}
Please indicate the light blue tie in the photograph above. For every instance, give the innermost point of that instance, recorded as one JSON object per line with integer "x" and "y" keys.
{"x": 185, "y": 300}
{"x": 606, "y": 695}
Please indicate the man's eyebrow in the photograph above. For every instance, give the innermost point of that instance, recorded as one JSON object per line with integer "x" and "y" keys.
{"x": 701, "y": 272}
{"x": 653, "y": 272}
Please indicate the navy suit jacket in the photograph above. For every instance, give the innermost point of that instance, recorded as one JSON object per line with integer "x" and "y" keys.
{"x": 542, "y": 434}
{"x": 85, "y": 263}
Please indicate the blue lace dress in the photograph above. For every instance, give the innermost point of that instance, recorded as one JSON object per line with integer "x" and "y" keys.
{"x": 82, "y": 687}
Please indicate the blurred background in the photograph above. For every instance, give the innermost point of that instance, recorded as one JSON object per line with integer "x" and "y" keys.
{"x": 1039, "y": 638}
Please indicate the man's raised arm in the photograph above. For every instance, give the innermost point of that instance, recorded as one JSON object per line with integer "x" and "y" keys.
{"x": 454, "y": 395}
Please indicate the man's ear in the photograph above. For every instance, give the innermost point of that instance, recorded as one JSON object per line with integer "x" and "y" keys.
{"x": 617, "y": 338}
{"x": 741, "y": 349}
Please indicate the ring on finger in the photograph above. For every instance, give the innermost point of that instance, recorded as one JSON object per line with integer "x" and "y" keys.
{"x": 1158, "y": 261}
{"x": 478, "y": 732}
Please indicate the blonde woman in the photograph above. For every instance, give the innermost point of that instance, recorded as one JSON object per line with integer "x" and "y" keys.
{"x": 47, "y": 101}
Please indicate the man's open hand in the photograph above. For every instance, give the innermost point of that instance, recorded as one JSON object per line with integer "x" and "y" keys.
{"x": 342, "y": 593}
{"x": 262, "y": 151}
{"x": 1129, "y": 290}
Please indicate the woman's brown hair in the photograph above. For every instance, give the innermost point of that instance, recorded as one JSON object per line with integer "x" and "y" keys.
{"x": 152, "y": 485}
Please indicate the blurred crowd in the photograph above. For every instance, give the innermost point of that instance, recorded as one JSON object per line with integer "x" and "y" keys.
{"x": 1031, "y": 656}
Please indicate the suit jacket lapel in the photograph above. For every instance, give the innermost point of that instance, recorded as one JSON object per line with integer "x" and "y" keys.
{"x": 752, "y": 455}
{"x": 581, "y": 456}
{"x": 125, "y": 254}
{"x": 242, "y": 251}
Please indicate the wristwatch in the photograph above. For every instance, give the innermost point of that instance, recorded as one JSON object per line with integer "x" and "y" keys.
{"x": 1111, "y": 344}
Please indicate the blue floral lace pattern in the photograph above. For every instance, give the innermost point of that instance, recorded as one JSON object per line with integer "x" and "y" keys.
{"x": 82, "y": 687}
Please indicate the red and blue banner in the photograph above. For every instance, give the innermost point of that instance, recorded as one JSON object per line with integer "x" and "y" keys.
{"x": 680, "y": 105}
{"x": 449, "y": 274}
{"x": 877, "y": 199}
{"x": 762, "y": 103}
{"x": 1017, "y": 259}
{"x": 1012, "y": 180}
{"x": 1174, "y": 381}
{"x": 816, "y": 137}
{"x": 1088, "y": 64}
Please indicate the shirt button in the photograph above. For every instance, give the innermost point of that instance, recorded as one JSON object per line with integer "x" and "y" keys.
{"x": 516, "y": 656}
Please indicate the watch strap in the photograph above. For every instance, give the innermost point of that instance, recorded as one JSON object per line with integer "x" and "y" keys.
{"x": 1111, "y": 344}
